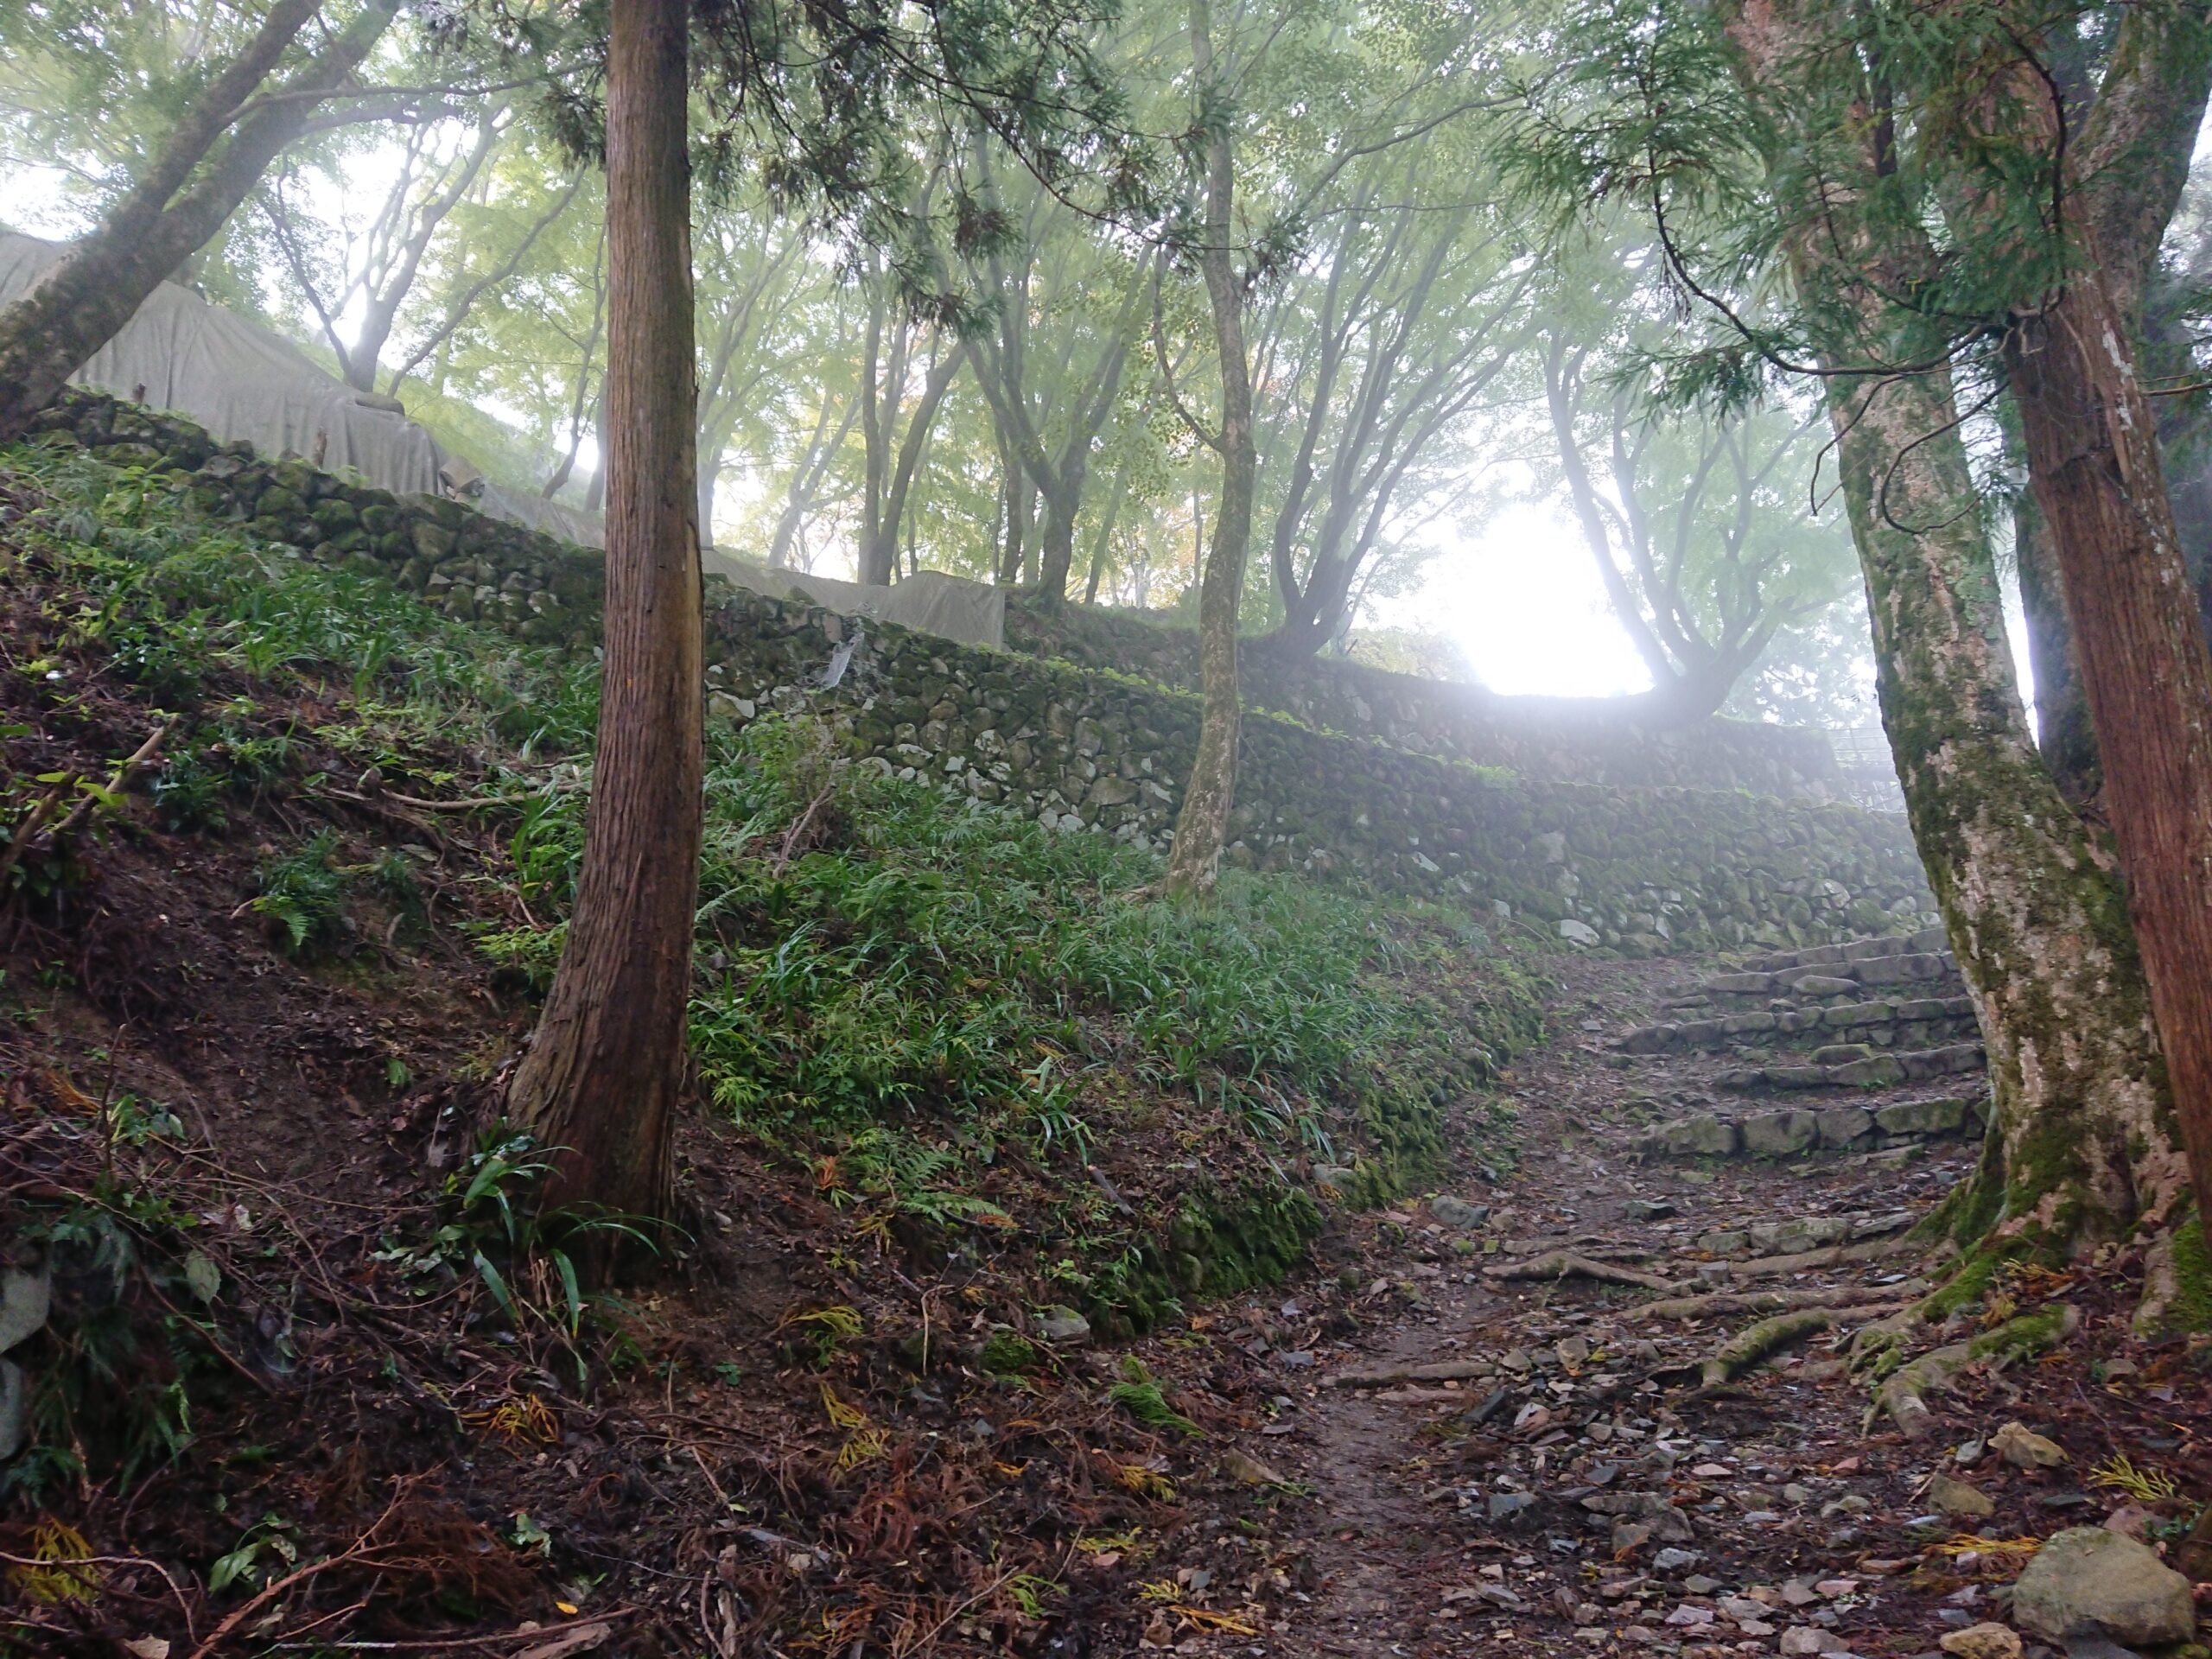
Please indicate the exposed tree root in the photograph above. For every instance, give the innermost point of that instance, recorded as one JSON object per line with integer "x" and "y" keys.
{"x": 1765, "y": 1301}
{"x": 1760, "y": 1341}
{"x": 1873, "y": 1249}
{"x": 1903, "y": 1395}
{"x": 1564, "y": 1264}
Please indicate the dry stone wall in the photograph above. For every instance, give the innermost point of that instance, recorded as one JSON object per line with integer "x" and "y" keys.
{"x": 1541, "y": 737}
{"x": 1639, "y": 869}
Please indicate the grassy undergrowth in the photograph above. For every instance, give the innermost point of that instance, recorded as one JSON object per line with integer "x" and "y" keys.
{"x": 949, "y": 1014}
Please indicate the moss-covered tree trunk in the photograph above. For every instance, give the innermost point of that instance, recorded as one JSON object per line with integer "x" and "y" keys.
{"x": 2034, "y": 909}
{"x": 2080, "y": 1139}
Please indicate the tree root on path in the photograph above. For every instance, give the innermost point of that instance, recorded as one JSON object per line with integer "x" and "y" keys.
{"x": 1905, "y": 1394}
{"x": 1755, "y": 1343}
{"x": 1873, "y": 1249}
{"x": 1562, "y": 1264}
{"x": 1767, "y": 1302}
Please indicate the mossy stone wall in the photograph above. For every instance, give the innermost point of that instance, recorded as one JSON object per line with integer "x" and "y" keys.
{"x": 1641, "y": 869}
{"x": 1547, "y": 737}
{"x": 1637, "y": 868}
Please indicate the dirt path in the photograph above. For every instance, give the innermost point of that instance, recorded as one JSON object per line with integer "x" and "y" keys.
{"x": 1558, "y": 1502}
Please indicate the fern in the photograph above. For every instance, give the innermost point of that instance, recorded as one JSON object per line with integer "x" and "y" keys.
{"x": 1139, "y": 1394}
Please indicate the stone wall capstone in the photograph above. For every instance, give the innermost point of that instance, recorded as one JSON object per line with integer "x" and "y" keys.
{"x": 1640, "y": 869}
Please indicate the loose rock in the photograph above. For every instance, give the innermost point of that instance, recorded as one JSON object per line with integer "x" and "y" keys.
{"x": 2088, "y": 1581}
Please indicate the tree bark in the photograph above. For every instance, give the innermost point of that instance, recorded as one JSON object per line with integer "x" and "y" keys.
{"x": 600, "y": 1081}
{"x": 1056, "y": 541}
{"x": 2081, "y": 1141}
{"x": 2093, "y": 458}
{"x": 100, "y": 282}
{"x": 1202, "y": 822}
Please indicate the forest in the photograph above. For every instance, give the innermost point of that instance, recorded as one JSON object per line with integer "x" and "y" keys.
{"x": 1093, "y": 828}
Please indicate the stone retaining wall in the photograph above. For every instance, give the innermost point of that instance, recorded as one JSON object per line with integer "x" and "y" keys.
{"x": 1546, "y": 737}
{"x": 1639, "y": 869}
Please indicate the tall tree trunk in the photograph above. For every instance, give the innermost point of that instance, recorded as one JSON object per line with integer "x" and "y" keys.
{"x": 2032, "y": 903}
{"x": 602, "y": 1078}
{"x": 2032, "y": 906}
{"x": 1020, "y": 494}
{"x": 1202, "y": 822}
{"x": 2093, "y": 458}
{"x": 102, "y": 279}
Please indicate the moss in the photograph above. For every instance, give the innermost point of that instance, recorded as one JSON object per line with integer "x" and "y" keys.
{"x": 1977, "y": 1270}
{"x": 2025, "y": 1335}
{"x": 1005, "y": 1353}
{"x": 2191, "y": 1310}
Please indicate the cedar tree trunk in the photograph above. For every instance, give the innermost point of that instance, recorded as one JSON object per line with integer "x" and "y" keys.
{"x": 603, "y": 1075}
{"x": 2092, "y": 458}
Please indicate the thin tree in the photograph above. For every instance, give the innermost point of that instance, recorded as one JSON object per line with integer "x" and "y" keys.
{"x": 602, "y": 1078}
{"x": 600, "y": 1081}
{"x": 1202, "y": 821}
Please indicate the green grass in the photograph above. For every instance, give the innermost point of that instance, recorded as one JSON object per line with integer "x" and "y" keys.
{"x": 944, "y": 1007}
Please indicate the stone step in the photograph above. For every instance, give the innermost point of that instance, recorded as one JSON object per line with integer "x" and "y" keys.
{"x": 1918, "y": 1022}
{"x": 1926, "y": 941}
{"x": 1826, "y": 980}
{"x": 1883, "y": 1069}
{"x": 1787, "y": 1133}
{"x": 1802, "y": 1233}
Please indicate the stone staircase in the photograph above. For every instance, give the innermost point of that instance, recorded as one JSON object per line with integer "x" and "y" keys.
{"x": 1860, "y": 1034}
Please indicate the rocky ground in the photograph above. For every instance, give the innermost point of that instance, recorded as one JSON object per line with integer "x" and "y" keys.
{"x": 1464, "y": 1448}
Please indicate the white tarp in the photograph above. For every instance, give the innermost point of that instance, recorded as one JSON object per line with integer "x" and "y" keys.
{"x": 241, "y": 380}
{"x": 928, "y": 601}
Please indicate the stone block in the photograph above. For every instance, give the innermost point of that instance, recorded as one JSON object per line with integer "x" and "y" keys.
{"x": 1741, "y": 984}
{"x": 1822, "y": 985}
{"x": 1878, "y": 1071}
{"x": 1779, "y": 1134}
{"x": 1703, "y": 1135}
{"x": 1796, "y": 1076}
{"x": 1943, "y": 1116}
{"x": 1799, "y": 1234}
{"x": 1856, "y": 1014}
{"x": 1839, "y": 1126}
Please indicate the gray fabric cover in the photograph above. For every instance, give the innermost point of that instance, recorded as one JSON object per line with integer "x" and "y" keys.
{"x": 928, "y": 601}
{"x": 241, "y": 380}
